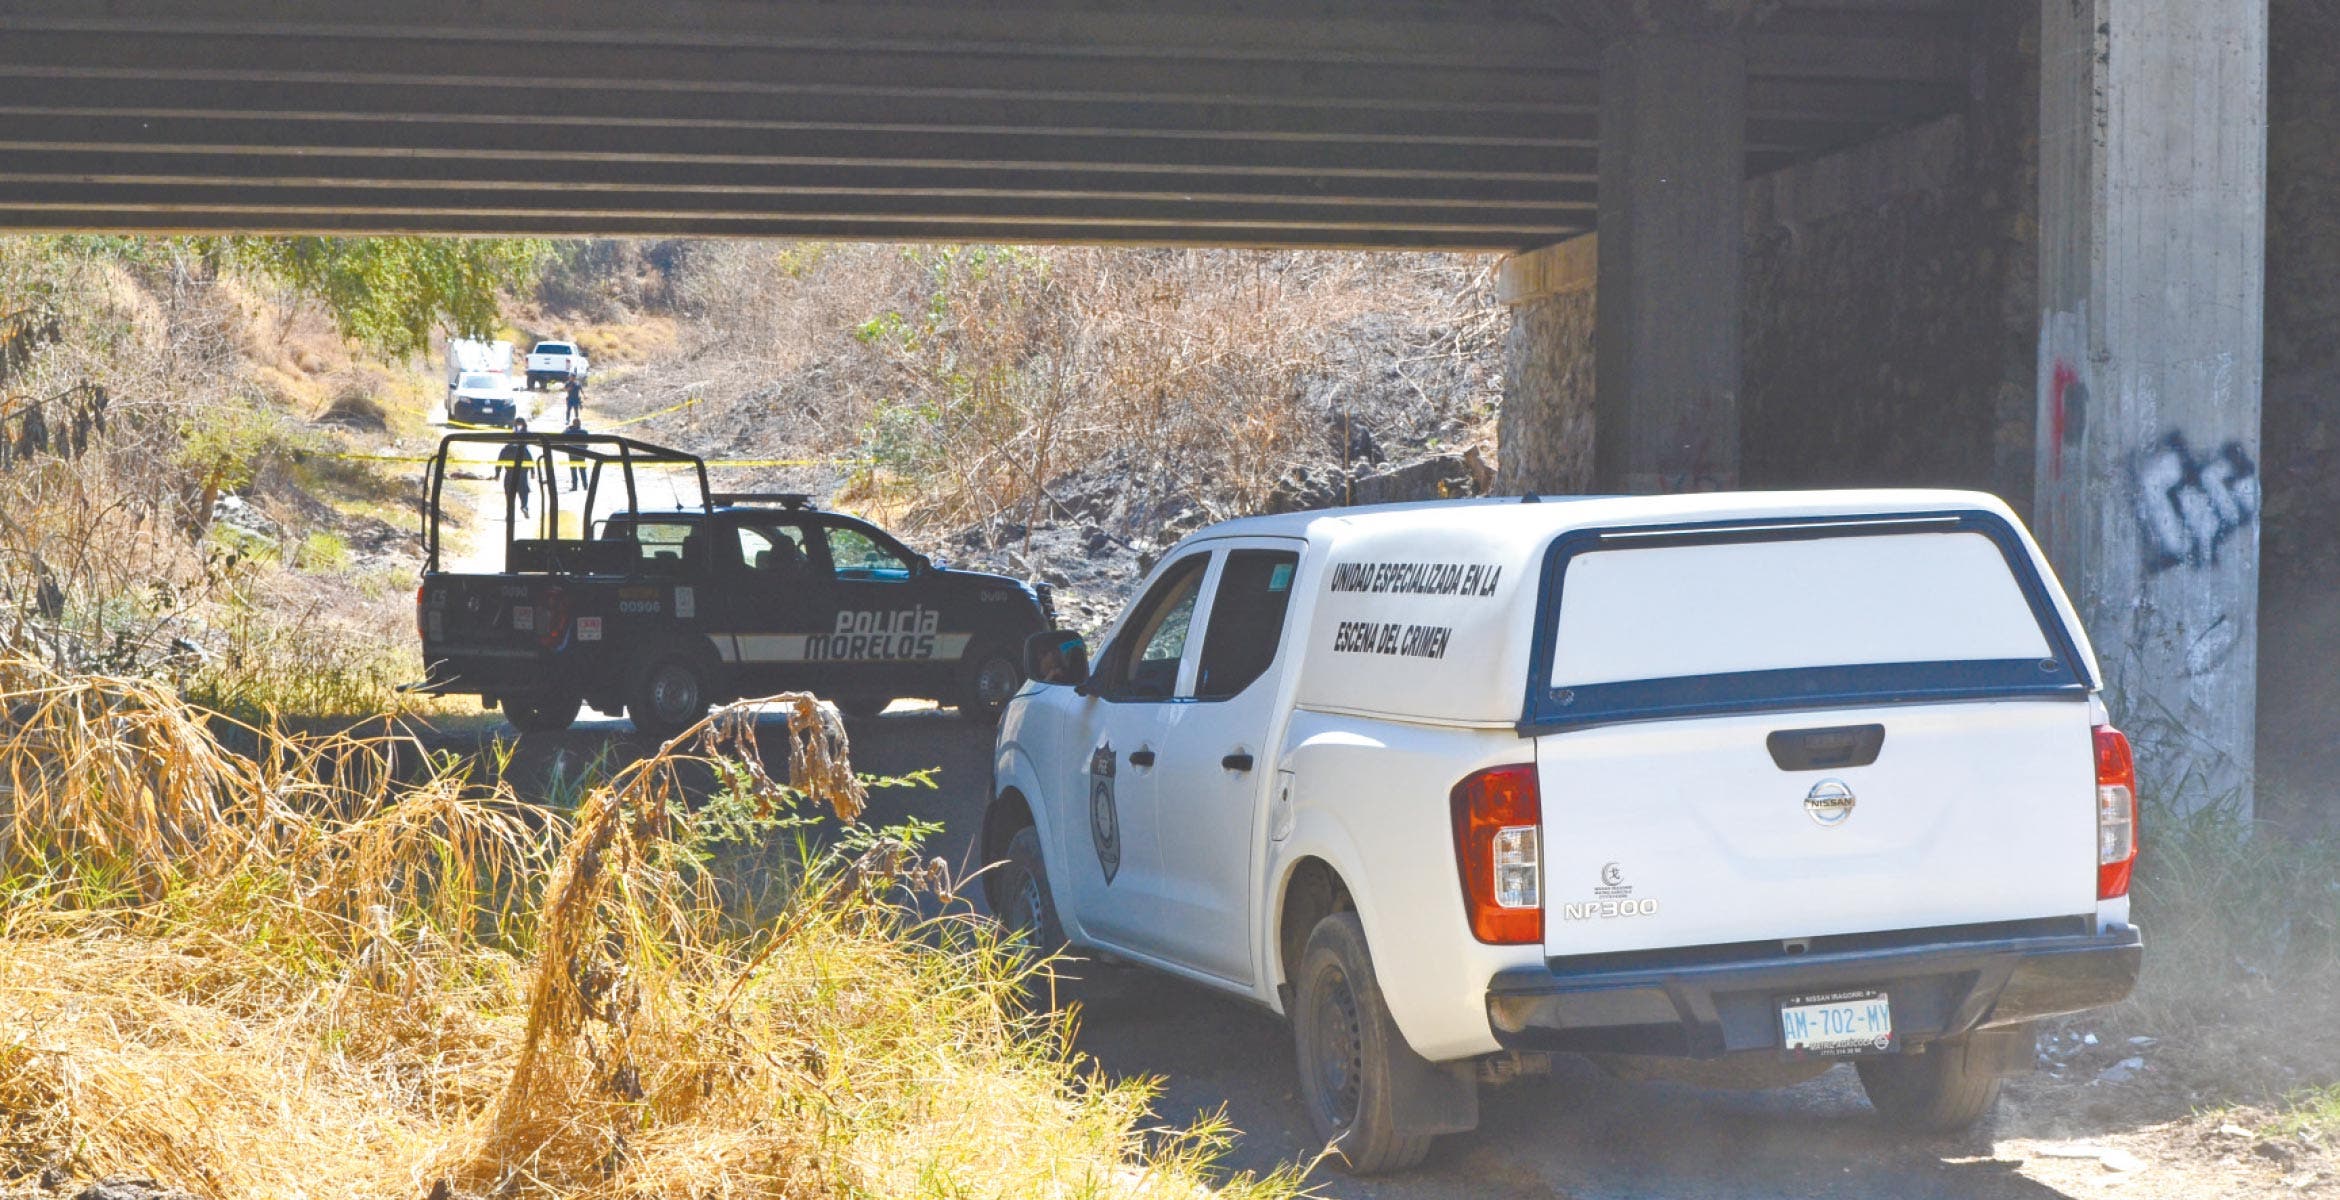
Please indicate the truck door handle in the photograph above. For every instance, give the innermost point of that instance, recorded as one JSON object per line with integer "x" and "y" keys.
{"x": 1237, "y": 761}
{"x": 1141, "y": 758}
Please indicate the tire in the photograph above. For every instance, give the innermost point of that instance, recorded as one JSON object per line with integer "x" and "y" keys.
{"x": 669, "y": 695}
{"x": 1018, "y": 891}
{"x": 989, "y": 677}
{"x": 862, "y": 706}
{"x": 1938, "y": 1091}
{"x": 1343, "y": 1033}
{"x": 543, "y": 714}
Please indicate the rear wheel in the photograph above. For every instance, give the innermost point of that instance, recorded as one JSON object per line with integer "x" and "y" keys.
{"x": 1344, "y": 1036}
{"x": 543, "y": 714}
{"x": 669, "y": 696}
{"x": 1939, "y": 1091}
{"x": 992, "y": 675}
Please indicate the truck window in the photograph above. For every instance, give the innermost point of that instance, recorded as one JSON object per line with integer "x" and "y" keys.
{"x": 856, "y": 555}
{"x": 1707, "y": 621}
{"x": 1247, "y": 621}
{"x": 553, "y": 348}
{"x": 774, "y": 551}
{"x": 1143, "y": 663}
{"x": 666, "y": 545}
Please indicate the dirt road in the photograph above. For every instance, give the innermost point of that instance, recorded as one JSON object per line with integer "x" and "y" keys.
{"x": 1578, "y": 1133}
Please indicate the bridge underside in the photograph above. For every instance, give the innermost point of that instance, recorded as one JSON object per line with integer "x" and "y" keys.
{"x": 1461, "y": 124}
{"x": 1396, "y": 124}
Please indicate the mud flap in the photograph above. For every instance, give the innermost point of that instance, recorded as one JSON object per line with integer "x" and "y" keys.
{"x": 1430, "y": 1097}
{"x": 2009, "y": 1051}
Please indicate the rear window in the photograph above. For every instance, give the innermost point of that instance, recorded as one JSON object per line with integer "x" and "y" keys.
{"x": 1647, "y": 623}
{"x": 554, "y": 348}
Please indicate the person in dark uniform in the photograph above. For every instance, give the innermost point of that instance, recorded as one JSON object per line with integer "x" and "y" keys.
{"x": 576, "y": 460}
{"x": 513, "y": 464}
{"x": 576, "y": 398}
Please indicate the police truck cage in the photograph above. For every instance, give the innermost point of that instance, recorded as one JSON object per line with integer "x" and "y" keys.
{"x": 612, "y": 462}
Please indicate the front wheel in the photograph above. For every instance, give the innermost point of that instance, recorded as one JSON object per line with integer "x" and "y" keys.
{"x": 1939, "y": 1091}
{"x": 669, "y": 696}
{"x": 543, "y": 714}
{"x": 1018, "y": 891}
{"x": 1345, "y": 1038}
{"x": 992, "y": 676}
{"x": 862, "y": 706}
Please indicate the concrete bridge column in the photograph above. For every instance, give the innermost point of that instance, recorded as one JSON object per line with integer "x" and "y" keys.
{"x": 2153, "y": 170}
{"x": 1672, "y": 207}
{"x": 1654, "y": 405}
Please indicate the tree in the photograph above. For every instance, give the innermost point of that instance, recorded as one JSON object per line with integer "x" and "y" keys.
{"x": 390, "y": 293}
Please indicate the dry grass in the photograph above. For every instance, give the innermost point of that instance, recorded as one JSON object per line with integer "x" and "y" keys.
{"x": 333, "y": 968}
{"x": 977, "y": 378}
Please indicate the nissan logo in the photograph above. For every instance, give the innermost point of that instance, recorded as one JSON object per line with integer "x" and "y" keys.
{"x": 1829, "y": 802}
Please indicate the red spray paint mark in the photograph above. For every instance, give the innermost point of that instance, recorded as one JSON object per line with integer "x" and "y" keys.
{"x": 2062, "y": 382}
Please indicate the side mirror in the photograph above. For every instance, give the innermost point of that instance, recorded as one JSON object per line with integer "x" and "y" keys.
{"x": 1057, "y": 656}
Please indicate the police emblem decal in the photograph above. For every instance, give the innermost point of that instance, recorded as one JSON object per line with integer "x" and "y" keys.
{"x": 1104, "y": 822}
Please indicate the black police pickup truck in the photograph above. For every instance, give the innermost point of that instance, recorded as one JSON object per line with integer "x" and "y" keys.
{"x": 664, "y": 612}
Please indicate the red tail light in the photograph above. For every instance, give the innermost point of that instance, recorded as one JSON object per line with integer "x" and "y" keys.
{"x": 1498, "y": 835}
{"x": 421, "y": 628}
{"x": 552, "y": 620}
{"x": 2116, "y": 813}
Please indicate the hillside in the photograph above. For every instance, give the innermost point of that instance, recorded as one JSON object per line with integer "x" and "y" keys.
{"x": 1055, "y": 413}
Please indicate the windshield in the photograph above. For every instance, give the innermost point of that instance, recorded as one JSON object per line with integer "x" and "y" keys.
{"x": 483, "y": 383}
{"x": 1678, "y": 611}
{"x": 1672, "y": 622}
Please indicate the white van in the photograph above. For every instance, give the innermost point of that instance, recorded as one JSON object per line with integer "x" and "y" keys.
{"x": 1725, "y": 786}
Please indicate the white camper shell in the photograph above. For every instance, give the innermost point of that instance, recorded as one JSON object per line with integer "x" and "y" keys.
{"x": 469, "y": 357}
{"x": 1777, "y": 778}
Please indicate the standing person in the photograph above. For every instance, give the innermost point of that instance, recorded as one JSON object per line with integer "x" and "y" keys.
{"x": 576, "y": 398}
{"x": 513, "y": 464}
{"x": 576, "y": 460}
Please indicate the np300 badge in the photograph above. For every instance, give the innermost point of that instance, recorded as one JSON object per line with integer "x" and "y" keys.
{"x": 1829, "y": 802}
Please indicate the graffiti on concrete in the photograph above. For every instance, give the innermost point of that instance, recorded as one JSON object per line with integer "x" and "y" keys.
{"x": 1691, "y": 462}
{"x": 2067, "y": 414}
{"x": 2189, "y": 504}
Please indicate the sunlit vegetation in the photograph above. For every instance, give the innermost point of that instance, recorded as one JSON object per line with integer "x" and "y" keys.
{"x": 337, "y": 966}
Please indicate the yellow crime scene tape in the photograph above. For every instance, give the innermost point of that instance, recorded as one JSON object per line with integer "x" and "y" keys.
{"x": 736, "y": 463}
{"x": 713, "y": 462}
{"x": 648, "y": 415}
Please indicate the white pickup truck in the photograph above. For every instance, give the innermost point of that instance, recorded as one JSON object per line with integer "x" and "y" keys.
{"x": 554, "y": 363}
{"x": 1722, "y": 787}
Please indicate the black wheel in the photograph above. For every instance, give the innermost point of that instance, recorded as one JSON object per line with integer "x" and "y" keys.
{"x": 669, "y": 696}
{"x": 991, "y": 676}
{"x": 1018, "y": 891}
{"x": 1939, "y": 1091}
{"x": 1344, "y": 1036}
{"x": 862, "y": 706}
{"x": 543, "y": 714}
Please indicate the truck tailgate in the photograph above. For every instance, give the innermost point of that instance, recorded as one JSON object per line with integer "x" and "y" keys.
{"x": 1805, "y": 729}
{"x": 1689, "y": 833}
{"x": 479, "y": 614}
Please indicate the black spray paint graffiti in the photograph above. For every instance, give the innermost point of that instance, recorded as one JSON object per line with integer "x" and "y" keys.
{"x": 2190, "y": 505}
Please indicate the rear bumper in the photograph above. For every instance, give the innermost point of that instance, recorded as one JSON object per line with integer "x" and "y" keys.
{"x": 496, "y": 672}
{"x": 1938, "y": 990}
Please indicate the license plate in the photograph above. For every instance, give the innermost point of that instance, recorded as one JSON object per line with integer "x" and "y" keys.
{"x": 1835, "y": 1024}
